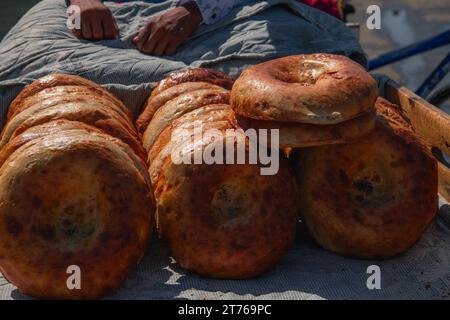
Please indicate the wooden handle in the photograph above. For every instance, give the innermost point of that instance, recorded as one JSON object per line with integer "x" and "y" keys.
{"x": 429, "y": 122}
{"x": 444, "y": 182}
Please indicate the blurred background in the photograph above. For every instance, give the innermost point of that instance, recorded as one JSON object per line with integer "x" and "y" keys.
{"x": 11, "y": 11}
{"x": 403, "y": 22}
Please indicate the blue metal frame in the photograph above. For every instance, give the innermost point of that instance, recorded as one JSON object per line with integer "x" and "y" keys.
{"x": 436, "y": 76}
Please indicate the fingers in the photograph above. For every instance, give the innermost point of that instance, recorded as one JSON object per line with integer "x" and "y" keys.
{"x": 154, "y": 40}
{"x": 97, "y": 30}
{"x": 77, "y": 33}
{"x": 97, "y": 22}
{"x": 143, "y": 36}
{"x": 166, "y": 32}
{"x": 164, "y": 45}
{"x": 172, "y": 47}
{"x": 161, "y": 47}
{"x": 110, "y": 28}
{"x": 86, "y": 29}
{"x": 116, "y": 28}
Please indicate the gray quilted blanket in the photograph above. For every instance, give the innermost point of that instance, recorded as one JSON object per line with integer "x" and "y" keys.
{"x": 41, "y": 43}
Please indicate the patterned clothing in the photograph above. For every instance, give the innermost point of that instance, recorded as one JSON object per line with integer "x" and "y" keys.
{"x": 211, "y": 10}
{"x": 214, "y": 10}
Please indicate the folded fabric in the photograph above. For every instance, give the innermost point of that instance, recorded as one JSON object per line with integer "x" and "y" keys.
{"x": 41, "y": 43}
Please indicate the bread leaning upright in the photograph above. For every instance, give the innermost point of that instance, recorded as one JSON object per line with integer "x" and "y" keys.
{"x": 220, "y": 220}
{"x": 76, "y": 205}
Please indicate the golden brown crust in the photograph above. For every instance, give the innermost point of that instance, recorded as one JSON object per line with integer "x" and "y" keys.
{"x": 213, "y": 115}
{"x": 226, "y": 221}
{"x": 108, "y": 120}
{"x": 57, "y": 126}
{"x": 194, "y": 75}
{"x": 41, "y": 131}
{"x": 315, "y": 89}
{"x": 300, "y": 135}
{"x": 45, "y": 226}
{"x": 61, "y": 94}
{"x": 372, "y": 198}
{"x": 179, "y": 106}
{"x": 218, "y": 116}
{"x": 223, "y": 221}
{"x": 154, "y": 102}
{"x": 55, "y": 80}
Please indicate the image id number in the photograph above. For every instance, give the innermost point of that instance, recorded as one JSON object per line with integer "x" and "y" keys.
{"x": 235, "y": 309}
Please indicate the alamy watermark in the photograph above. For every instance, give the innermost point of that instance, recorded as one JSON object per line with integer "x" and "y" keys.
{"x": 73, "y": 17}
{"x": 374, "y": 280}
{"x": 74, "y": 280}
{"x": 374, "y": 20}
{"x": 232, "y": 146}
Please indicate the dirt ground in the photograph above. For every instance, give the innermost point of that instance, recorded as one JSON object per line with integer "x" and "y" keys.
{"x": 402, "y": 22}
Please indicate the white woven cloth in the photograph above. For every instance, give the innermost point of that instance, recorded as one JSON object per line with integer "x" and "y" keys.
{"x": 306, "y": 272}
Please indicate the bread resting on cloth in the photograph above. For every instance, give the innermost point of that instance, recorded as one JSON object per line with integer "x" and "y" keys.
{"x": 71, "y": 198}
{"x": 77, "y": 203}
{"x": 221, "y": 220}
{"x": 372, "y": 198}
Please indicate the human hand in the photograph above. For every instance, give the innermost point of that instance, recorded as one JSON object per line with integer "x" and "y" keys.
{"x": 97, "y": 21}
{"x": 163, "y": 34}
